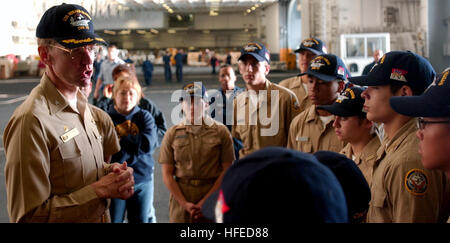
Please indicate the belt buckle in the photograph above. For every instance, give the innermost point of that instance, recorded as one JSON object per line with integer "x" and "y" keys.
{"x": 195, "y": 182}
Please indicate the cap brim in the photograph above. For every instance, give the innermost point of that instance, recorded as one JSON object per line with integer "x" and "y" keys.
{"x": 258, "y": 57}
{"x": 419, "y": 106}
{"x": 367, "y": 80}
{"x": 209, "y": 206}
{"x": 86, "y": 38}
{"x": 320, "y": 76}
{"x": 337, "y": 110}
{"x": 309, "y": 49}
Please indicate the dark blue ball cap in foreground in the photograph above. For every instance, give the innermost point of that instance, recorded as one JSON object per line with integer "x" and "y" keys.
{"x": 434, "y": 102}
{"x": 277, "y": 184}
{"x": 257, "y": 50}
{"x": 399, "y": 67}
{"x": 356, "y": 189}
{"x": 327, "y": 67}
{"x": 349, "y": 103}
{"x": 70, "y": 25}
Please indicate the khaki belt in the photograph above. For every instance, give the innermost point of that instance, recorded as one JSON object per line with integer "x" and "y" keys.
{"x": 196, "y": 182}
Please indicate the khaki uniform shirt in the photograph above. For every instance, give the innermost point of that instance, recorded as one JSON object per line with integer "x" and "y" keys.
{"x": 308, "y": 134}
{"x": 263, "y": 122}
{"x": 107, "y": 131}
{"x": 53, "y": 154}
{"x": 402, "y": 189}
{"x": 197, "y": 157}
{"x": 366, "y": 160}
{"x": 295, "y": 84}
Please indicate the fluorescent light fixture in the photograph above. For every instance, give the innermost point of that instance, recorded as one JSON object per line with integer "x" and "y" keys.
{"x": 154, "y": 31}
{"x": 171, "y": 31}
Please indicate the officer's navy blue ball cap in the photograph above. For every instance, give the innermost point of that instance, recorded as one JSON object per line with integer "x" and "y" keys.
{"x": 277, "y": 184}
{"x": 327, "y": 67}
{"x": 70, "y": 25}
{"x": 399, "y": 67}
{"x": 434, "y": 102}
{"x": 349, "y": 103}
{"x": 313, "y": 45}
{"x": 257, "y": 50}
{"x": 352, "y": 180}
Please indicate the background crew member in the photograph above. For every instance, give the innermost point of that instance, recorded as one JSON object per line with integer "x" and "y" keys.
{"x": 263, "y": 113}
{"x": 308, "y": 49}
{"x": 312, "y": 130}
{"x": 433, "y": 110}
{"x": 179, "y": 65}
{"x": 106, "y": 68}
{"x": 221, "y": 106}
{"x": 55, "y": 171}
{"x": 194, "y": 155}
{"x": 167, "y": 68}
{"x": 402, "y": 189}
{"x": 377, "y": 54}
{"x": 352, "y": 127}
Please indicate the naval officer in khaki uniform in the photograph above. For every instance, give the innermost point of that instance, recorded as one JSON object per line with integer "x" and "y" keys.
{"x": 194, "y": 155}
{"x": 351, "y": 126}
{"x": 433, "y": 110}
{"x": 402, "y": 189}
{"x": 312, "y": 129}
{"x": 309, "y": 48}
{"x": 263, "y": 112}
{"x": 55, "y": 171}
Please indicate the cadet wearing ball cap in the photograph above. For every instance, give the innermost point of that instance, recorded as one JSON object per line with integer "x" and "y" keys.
{"x": 312, "y": 129}
{"x": 307, "y": 50}
{"x": 433, "y": 110}
{"x": 262, "y": 113}
{"x": 402, "y": 189}
{"x": 194, "y": 155}
{"x": 352, "y": 127}
{"x": 277, "y": 184}
{"x": 55, "y": 170}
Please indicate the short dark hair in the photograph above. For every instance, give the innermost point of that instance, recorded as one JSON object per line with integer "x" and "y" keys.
{"x": 126, "y": 67}
{"x": 396, "y": 87}
{"x": 225, "y": 66}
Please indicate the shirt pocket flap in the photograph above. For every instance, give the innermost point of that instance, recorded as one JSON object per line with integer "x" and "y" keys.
{"x": 378, "y": 199}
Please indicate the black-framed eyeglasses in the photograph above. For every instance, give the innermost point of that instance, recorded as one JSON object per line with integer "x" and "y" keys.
{"x": 421, "y": 122}
{"x": 78, "y": 52}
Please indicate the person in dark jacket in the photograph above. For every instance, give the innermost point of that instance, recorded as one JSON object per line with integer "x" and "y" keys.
{"x": 179, "y": 65}
{"x": 136, "y": 130}
{"x": 167, "y": 69}
{"x": 106, "y": 102}
{"x": 147, "y": 69}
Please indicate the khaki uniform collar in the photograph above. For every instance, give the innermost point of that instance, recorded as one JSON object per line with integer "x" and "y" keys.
{"x": 296, "y": 83}
{"x": 183, "y": 124}
{"x": 56, "y": 100}
{"x": 400, "y": 135}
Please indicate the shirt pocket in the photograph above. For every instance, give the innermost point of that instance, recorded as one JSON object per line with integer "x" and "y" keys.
{"x": 181, "y": 149}
{"x": 210, "y": 147}
{"x": 306, "y": 147}
{"x": 71, "y": 156}
{"x": 378, "y": 199}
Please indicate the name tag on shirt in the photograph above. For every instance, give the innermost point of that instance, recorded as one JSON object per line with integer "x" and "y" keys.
{"x": 302, "y": 139}
{"x": 69, "y": 135}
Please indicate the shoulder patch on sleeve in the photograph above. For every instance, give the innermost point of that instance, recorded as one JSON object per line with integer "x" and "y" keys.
{"x": 416, "y": 182}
